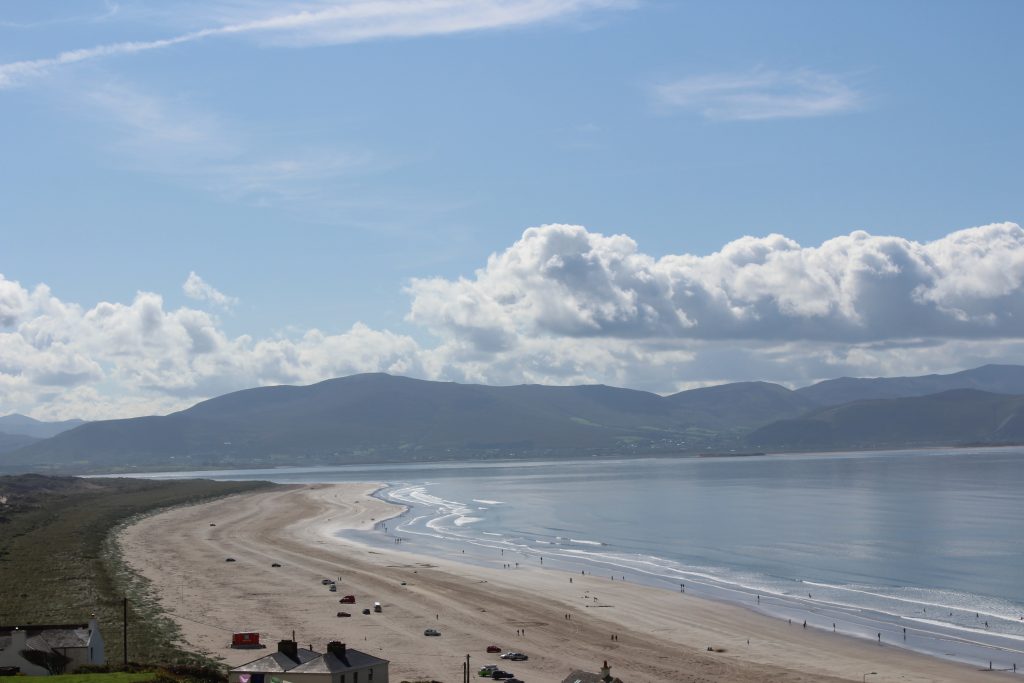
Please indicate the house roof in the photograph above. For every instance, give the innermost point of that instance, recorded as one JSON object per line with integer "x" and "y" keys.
{"x": 277, "y": 661}
{"x": 331, "y": 663}
{"x": 587, "y": 677}
{"x": 48, "y": 637}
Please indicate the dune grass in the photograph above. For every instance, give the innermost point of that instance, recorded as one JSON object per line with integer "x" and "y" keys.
{"x": 118, "y": 677}
{"x": 59, "y": 563}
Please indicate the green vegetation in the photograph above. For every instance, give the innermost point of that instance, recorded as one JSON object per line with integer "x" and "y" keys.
{"x": 59, "y": 563}
{"x": 958, "y": 417}
{"x": 118, "y": 677}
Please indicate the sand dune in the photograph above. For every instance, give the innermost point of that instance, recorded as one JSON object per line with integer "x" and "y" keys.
{"x": 660, "y": 635}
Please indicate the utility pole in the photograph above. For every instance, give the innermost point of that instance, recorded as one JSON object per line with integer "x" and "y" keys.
{"x": 125, "y": 630}
{"x": 467, "y": 669}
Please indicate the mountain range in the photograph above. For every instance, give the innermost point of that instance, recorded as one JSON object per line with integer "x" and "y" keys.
{"x": 18, "y": 431}
{"x": 384, "y": 418}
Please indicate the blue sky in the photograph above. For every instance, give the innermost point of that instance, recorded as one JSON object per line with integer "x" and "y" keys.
{"x": 253, "y": 192}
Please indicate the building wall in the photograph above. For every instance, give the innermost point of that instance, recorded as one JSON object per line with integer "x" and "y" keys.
{"x": 11, "y": 656}
{"x": 97, "y": 651}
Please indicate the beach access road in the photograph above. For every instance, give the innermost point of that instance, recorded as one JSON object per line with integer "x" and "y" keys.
{"x": 645, "y": 634}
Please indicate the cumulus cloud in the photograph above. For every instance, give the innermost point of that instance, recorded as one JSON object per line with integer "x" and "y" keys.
{"x": 561, "y": 305}
{"x": 760, "y": 94}
{"x": 564, "y": 281}
{"x": 197, "y": 288}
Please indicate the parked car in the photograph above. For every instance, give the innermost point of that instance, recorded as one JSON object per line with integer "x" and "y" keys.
{"x": 431, "y": 632}
{"x": 344, "y": 614}
{"x": 229, "y": 559}
{"x": 348, "y": 600}
{"x": 326, "y": 582}
{"x": 366, "y": 610}
{"x": 515, "y": 656}
{"x": 333, "y": 588}
{"x": 514, "y": 680}
{"x": 493, "y": 648}
{"x": 486, "y": 670}
{"x": 276, "y": 564}
{"x": 498, "y": 674}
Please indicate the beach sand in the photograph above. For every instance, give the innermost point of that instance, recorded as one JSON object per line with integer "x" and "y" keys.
{"x": 660, "y": 635}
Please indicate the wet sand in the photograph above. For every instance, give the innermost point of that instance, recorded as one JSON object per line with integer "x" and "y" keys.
{"x": 645, "y": 634}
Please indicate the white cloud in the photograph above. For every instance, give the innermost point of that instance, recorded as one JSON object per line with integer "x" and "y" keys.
{"x": 197, "y": 288}
{"x": 561, "y": 280}
{"x": 172, "y": 137}
{"x": 331, "y": 23}
{"x": 760, "y": 94}
{"x": 560, "y": 305}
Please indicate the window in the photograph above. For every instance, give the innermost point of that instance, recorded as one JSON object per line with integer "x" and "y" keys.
{"x": 371, "y": 675}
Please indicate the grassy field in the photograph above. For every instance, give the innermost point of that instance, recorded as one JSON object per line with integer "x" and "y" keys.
{"x": 119, "y": 677}
{"x": 58, "y": 562}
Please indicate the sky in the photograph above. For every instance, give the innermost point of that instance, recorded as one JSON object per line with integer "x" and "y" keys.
{"x": 201, "y": 196}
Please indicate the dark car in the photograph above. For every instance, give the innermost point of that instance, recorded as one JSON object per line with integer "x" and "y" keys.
{"x": 493, "y": 648}
{"x": 229, "y": 559}
{"x": 515, "y": 656}
{"x": 431, "y": 632}
{"x": 499, "y": 674}
{"x": 366, "y": 610}
{"x": 514, "y": 680}
{"x": 344, "y": 614}
{"x": 276, "y": 564}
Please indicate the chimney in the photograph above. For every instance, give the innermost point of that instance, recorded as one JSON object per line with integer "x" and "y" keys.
{"x": 290, "y": 649}
{"x": 337, "y": 649}
{"x": 18, "y": 640}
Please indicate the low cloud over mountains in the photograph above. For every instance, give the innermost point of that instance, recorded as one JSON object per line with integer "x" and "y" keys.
{"x": 560, "y": 305}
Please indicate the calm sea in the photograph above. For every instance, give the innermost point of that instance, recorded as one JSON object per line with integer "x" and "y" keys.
{"x": 931, "y": 541}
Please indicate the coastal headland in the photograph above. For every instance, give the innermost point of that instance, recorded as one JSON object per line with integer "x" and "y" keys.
{"x": 561, "y": 620}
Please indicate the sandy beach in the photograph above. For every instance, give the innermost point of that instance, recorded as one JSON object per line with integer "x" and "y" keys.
{"x": 567, "y": 621}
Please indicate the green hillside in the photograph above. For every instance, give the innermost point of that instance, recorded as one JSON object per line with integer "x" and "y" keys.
{"x": 961, "y": 416}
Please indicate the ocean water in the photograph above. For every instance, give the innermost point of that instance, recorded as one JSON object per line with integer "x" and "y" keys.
{"x": 870, "y": 544}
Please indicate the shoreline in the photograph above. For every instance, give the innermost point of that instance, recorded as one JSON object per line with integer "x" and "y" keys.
{"x": 568, "y": 625}
{"x": 932, "y": 638}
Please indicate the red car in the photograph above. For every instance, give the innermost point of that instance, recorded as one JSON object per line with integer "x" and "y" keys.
{"x": 493, "y": 648}
{"x": 348, "y": 600}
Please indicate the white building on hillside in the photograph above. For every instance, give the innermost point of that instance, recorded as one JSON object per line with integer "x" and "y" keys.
{"x": 31, "y": 649}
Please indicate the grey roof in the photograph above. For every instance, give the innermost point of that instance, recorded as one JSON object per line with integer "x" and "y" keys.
{"x": 49, "y": 637}
{"x": 330, "y": 663}
{"x": 276, "y": 662}
{"x": 587, "y": 677}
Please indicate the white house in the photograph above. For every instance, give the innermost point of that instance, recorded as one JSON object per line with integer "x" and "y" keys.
{"x": 292, "y": 664}
{"x": 67, "y": 646}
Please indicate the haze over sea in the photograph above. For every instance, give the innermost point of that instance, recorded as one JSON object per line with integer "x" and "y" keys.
{"x": 931, "y": 541}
